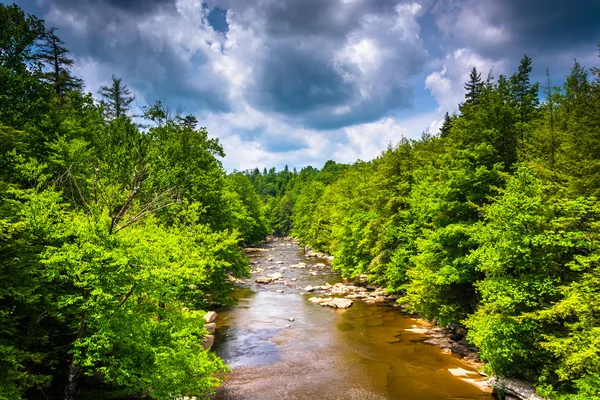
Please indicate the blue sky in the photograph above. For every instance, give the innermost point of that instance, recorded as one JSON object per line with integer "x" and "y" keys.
{"x": 299, "y": 82}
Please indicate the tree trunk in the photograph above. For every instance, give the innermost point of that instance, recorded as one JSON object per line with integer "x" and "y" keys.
{"x": 75, "y": 369}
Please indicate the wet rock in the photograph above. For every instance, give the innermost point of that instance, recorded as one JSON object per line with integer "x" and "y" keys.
{"x": 210, "y": 327}
{"x": 210, "y": 316}
{"x": 339, "y": 303}
{"x": 309, "y": 289}
{"x": 291, "y": 319}
{"x": 254, "y": 249}
{"x": 275, "y": 276}
{"x": 263, "y": 280}
{"x": 279, "y": 291}
{"x": 257, "y": 270}
{"x": 208, "y": 341}
{"x": 314, "y": 273}
{"x": 320, "y": 265}
{"x": 457, "y": 328}
{"x": 279, "y": 262}
{"x": 270, "y": 259}
{"x": 294, "y": 279}
{"x": 515, "y": 388}
{"x": 320, "y": 300}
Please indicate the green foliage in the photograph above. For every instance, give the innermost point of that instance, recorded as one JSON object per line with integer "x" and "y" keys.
{"x": 114, "y": 240}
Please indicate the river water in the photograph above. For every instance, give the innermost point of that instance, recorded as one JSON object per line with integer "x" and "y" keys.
{"x": 364, "y": 352}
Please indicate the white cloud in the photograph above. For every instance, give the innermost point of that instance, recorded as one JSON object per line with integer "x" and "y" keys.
{"x": 447, "y": 83}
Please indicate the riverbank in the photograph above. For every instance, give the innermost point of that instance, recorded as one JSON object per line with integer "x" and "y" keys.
{"x": 450, "y": 339}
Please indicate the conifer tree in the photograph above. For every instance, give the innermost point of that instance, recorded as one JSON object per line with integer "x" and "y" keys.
{"x": 56, "y": 57}
{"x": 474, "y": 88}
{"x": 116, "y": 99}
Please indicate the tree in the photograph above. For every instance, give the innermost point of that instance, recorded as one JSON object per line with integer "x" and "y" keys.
{"x": 117, "y": 98}
{"x": 474, "y": 88}
{"x": 23, "y": 98}
{"x": 446, "y": 125}
{"x": 56, "y": 57}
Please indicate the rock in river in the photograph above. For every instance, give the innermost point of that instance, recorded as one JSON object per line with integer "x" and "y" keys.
{"x": 210, "y": 316}
{"x": 262, "y": 279}
{"x": 275, "y": 276}
{"x": 208, "y": 341}
{"x": 210, "y": 327}
{"x": 339, "y": 303}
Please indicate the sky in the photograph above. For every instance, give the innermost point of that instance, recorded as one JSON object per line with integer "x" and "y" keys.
{"x": 299, "y": 82}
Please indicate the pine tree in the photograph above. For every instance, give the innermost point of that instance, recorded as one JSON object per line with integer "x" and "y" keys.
{"x": 116, "y": 99}
{"x": 474, "y": 88}
{"x": 446, "y": 126}
{"x": 524, "y": 94}
{"x": 53, "y": 54}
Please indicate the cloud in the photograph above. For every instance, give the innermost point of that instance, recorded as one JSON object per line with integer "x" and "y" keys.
{"x": 447, "y": 83}
{"x": 312, "y": 59}
{"x": 298, "y": 82}
{"x": 510, "y": 28}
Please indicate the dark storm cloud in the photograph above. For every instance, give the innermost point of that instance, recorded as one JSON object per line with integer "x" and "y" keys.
{"x": 146, "y": 61}
{"x": 540, "y": 28}
{"x": 300, "y": 78}
{"x": 131, "y": 6}
{"x": 297, "y": 77}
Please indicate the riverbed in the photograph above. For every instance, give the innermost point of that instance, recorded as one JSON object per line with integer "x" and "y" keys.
{"x": 281, "y": 346}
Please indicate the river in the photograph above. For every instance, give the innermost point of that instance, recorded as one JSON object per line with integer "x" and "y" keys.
{"x": 363, "y": 352}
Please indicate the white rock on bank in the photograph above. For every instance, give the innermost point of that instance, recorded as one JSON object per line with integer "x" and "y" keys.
{"x": 210, "y": 316}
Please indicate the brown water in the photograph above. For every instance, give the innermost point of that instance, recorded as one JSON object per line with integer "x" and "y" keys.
{"x": 364, "y": 352}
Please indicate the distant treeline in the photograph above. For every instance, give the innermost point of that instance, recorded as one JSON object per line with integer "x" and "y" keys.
{"x": 114, "y": 237}
{"x": 493, "y": 223}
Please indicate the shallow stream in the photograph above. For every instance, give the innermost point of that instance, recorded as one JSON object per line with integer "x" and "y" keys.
{"x": 363, "y": 352}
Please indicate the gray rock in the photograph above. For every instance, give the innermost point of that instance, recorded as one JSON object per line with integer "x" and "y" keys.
{"x": 340, "y": 303}
{"x": 210, "y": 327}
{"x": 275, "y": 276}
{"x": 208, "y": 341}
{"x": 210, "y": 316}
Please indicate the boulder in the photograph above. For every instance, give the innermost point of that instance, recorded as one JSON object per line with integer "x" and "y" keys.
{"x": 210, "y": 316}
{"x": 208, "y": 341}
{"x": 210, "y": 327}
{"x": 309, "y": 289}
{"x": 340, "y": 303}
{"x": 275, "y": 276}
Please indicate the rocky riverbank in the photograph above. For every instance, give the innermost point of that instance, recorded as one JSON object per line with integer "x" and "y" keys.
{"x": 280, "y": 277}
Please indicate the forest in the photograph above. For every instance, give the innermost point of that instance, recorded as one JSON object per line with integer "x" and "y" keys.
{"x": 119, "y": 231}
